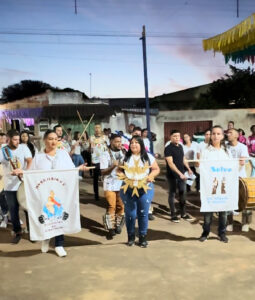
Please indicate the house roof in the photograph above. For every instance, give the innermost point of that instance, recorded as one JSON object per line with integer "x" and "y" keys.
{"x": 179, "y": 100}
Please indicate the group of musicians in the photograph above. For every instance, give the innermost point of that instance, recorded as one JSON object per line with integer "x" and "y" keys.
{"x": 128, "y": 177}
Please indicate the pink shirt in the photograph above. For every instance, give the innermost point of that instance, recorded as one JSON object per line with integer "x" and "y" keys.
{"x": 251, "y": 144}
{"x": 242, "y": 139}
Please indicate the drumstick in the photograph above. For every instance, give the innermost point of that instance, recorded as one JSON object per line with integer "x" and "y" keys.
{"x": 80, "y": 118}
{"x": 86, "y": 127}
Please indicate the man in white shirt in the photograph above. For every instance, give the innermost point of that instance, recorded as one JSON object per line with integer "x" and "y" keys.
{"x": 62, "y": 143}
{"x": 238, "y": 150}
{"x": 98, "y": 145}
{"x": 3, "y": 203}
{"x": 14, "y": 156}
{"x": 109, "y": 162}
{"x": 202, "y": 145}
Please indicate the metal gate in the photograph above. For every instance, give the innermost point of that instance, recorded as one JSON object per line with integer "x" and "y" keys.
{"x": 186, "y": 127}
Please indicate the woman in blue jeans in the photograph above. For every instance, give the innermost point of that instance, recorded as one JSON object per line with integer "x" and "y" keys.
{"x": 137, "y": 204}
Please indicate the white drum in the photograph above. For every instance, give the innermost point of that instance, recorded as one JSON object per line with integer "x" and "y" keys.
{"x": 21, "y": 196}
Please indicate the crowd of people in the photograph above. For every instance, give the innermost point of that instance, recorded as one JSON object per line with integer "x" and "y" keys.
{"x": 117, "y": 158}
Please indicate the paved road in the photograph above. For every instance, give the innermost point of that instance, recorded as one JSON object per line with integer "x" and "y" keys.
{"x": 174, "y": 266}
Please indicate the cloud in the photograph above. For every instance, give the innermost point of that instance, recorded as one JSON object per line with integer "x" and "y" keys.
{"x": 13, "y": 72}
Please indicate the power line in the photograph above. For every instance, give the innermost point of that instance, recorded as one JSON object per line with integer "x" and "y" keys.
{"x": 104, "y": 34}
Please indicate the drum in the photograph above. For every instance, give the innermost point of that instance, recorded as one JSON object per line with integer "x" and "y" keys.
{"x": 21, "y": 196}
{"x": 246, "y": 193}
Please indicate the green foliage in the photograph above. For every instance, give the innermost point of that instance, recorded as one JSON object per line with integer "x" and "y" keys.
{"x": 236, "y": 90}
{"x": 25, "y": 88}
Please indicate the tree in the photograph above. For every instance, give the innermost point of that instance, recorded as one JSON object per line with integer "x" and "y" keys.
{"x": 236, "y": 90}
{"x": 26, "y": 88}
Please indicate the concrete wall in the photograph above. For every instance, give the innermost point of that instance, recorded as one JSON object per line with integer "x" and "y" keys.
{"x": 243, "y": 118}
{"x": 65, "y": 98}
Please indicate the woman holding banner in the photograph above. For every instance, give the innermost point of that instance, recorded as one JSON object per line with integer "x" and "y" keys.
{"x": 52, "y": 158}
{"x": 216, "y": 150}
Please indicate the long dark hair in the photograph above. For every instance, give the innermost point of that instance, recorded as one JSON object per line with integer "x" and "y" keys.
{"x": 31, "y": 147}
{"x": 75, "y": 136}
{"x": 222, "y": 142}
{"x": 143, "y": 153}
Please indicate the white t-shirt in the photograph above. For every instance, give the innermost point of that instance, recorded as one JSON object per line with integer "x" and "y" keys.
{"x": 238, "y": 151}
{"x": 211, "y": 153}
{"x": 147, "y": 144}
{"x": 202, "y": 146}
{"x": 98, "y": 146}
{"x": 133, "y": 158}
{"x": 60, "y": 161}
{"x": 77, "y": 149}
{"x": 191, "y": 152}
{"x": 18, "y": 157}
{"x": 111, "y": 181}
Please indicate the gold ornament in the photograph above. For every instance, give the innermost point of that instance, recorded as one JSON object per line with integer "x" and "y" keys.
{"x": 135, "y": 177}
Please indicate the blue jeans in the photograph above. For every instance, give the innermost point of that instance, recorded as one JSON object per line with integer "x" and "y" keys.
{"x": 78, "y": 160}
{"x": 137, "y": 206}
{"x": 13, "y": 205}
{"x": 3, "y": 203}
{"x": 208, "y": 221}
{"x": 59, "y": 240}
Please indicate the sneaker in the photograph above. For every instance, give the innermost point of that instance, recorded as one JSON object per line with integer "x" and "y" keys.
{"x": 245, "y": 228}
{"x": 60, "y": 251}
{"x": 45, "y": 246}
{"x": 131, "y": 240}
{"x": 21, "y": 222}
{"x": 112, "y": 232}
{"x": 229, "y": 227}
{"x": 16, "y": 239}
{"x": 175, "y": 219}
{"x": 143, "y": 241}
{"x": 118, "y": 230}
{"x": 223, "y": 238}
{"x": 4, "y": 222}
{"x": 203, "y": 237}
{"x": 151, "y": 217}
{"x": 80, "y": 178}
{"x": 187, "y": 217}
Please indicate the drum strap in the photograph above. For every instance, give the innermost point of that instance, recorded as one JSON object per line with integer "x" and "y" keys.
{"x": 7, "y": 152}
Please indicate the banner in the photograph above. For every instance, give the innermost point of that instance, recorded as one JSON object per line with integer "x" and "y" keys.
{"x": 52, "y": 202}
{"x": 219, "y": 185}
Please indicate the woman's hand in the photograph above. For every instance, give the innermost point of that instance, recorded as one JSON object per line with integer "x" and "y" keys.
{"x": 150, "y": 178}
{"x": 83, "y": 167}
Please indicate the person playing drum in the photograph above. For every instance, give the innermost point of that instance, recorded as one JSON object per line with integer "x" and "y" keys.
{"x": 238, "y": 150}
{"x": 14, "y": 156}
{"x": 53, "y": 158}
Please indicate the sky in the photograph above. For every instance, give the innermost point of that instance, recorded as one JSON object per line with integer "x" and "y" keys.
{"x": 98, "y": 50}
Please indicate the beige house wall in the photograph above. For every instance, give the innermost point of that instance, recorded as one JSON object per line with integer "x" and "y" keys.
{"x": 243, "y": 118}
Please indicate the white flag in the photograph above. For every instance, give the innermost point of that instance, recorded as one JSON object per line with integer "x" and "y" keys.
{"x": 52, "y": 202}
{"x": 219, "y": 185}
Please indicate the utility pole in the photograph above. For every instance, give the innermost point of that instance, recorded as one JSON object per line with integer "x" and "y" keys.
{"x": 237, "y": 8}
{"x": 75, "y": 6}
{"x": 90, "y": 79}
{"x": 143, "y": 38}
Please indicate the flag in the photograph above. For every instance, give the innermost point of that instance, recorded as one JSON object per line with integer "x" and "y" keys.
{"x": 52, "y": 198}
{"x": 219, "y": 185}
